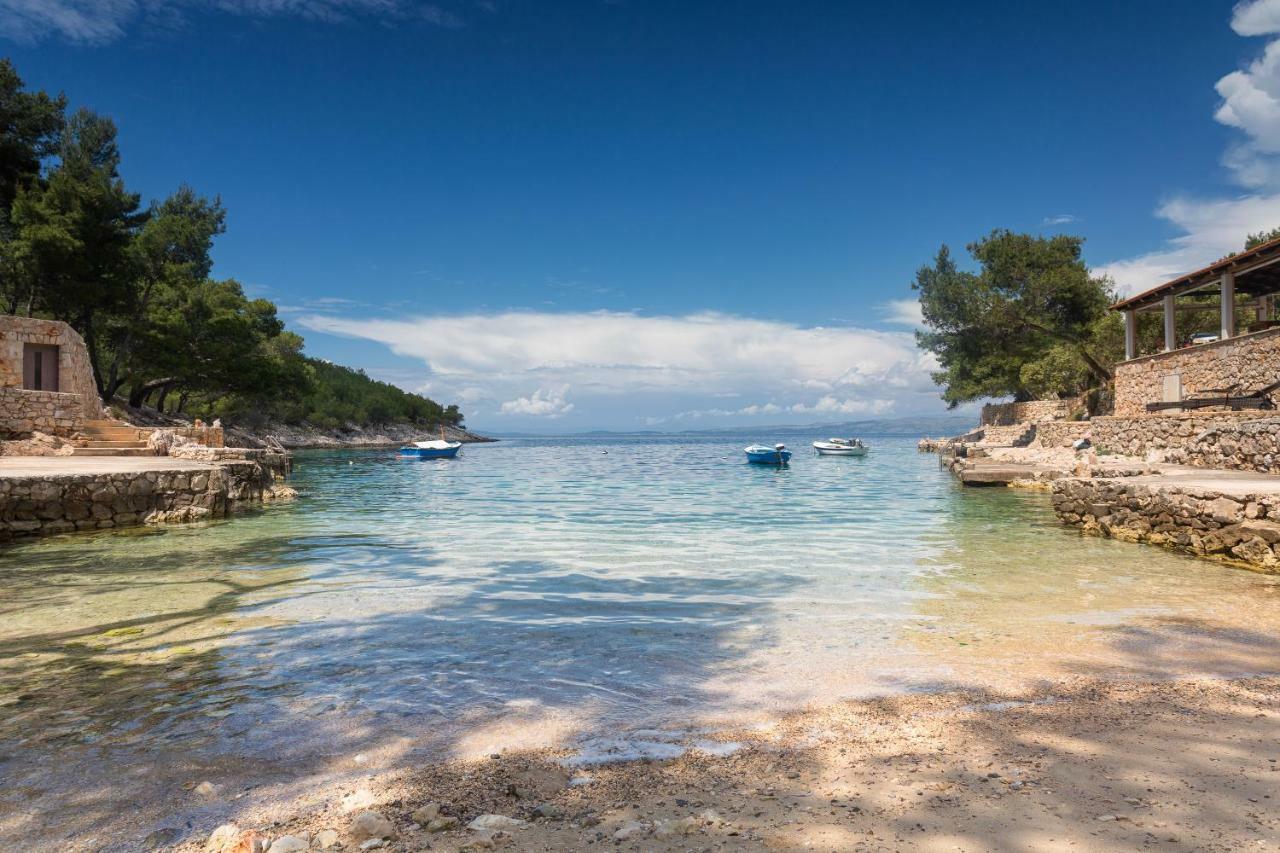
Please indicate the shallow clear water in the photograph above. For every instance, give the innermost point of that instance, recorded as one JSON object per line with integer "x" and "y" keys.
{"x": 561, "y": 591}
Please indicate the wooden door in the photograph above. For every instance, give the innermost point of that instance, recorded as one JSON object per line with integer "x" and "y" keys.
{"x": 40, "y": 367}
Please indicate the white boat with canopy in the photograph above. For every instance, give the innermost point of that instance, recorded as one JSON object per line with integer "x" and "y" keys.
{"x": 841, "y": 447}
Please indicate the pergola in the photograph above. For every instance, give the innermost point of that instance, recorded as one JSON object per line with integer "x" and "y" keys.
{"x": 1255, "y": 272}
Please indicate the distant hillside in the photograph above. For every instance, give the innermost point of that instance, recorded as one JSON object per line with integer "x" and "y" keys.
{"x": 932, "y": 425}
{"x": 914, "y": 427}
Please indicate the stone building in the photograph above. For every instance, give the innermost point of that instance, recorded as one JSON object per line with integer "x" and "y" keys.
{"x": 1237, "y": 356}
{"x": 46, "y": 381}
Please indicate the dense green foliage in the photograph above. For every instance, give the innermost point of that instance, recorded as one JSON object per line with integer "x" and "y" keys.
{"x": 1030, "y": 322}
{"x": 76, "y": 245}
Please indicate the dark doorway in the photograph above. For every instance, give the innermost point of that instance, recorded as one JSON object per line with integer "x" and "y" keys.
{"x": 40, "y": 367}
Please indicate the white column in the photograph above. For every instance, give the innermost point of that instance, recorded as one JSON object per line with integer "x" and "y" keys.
{"x": 1130, "y": 335}
{"x": 1228, "y": 305}
{"x": 1170, "y": 335}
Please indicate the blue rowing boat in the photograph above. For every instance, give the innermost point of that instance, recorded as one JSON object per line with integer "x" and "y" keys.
{"x": 762, "y": 455}
{"x": 438, "y": 449}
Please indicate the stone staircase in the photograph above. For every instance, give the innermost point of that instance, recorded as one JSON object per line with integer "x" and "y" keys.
{"x": 112, "y": 438}
{"x": 1014, "y": 435}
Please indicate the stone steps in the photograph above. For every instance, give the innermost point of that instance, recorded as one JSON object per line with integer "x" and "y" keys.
{"x": 135, "y": 450}
{"x": 112, "y": 438}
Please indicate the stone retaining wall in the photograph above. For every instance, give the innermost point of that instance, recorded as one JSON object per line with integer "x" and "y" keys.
{"x": 1033, "y": 411}
{"x": 61, "y": 503}
{"x": 1244, "y": 441}
{"x": 1240, "y": 530}
{"x": 23, "y": 412}
{"x": 1060, "y": 433}
{"x": 1250, "y": 361}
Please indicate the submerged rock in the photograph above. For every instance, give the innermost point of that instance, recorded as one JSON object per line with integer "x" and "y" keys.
{"x": 207, "y": 789}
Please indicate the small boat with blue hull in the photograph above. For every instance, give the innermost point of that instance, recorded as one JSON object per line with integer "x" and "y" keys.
{"x": 763, "y": 455}
{"x": 438, "y": 449}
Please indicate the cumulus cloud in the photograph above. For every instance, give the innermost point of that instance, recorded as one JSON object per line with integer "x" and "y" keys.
{"x": 102, "y": 21}
{"x": 852, "y": 406}
{"x": 1256, "y": 18}
{"x": 523, "y": 363}
{"x": 1211, "y": 228}
{"x": 543, "y": 403}
{"x": 1251, "y": 99}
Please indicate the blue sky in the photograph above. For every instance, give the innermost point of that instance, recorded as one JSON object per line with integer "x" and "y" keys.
{"x": 634, "y": 214}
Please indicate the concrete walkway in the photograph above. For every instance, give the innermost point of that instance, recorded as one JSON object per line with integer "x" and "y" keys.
{"x": 1237, "y": 483}
{"x": 54, "y": 466}
{"x": 1157, "y": 475}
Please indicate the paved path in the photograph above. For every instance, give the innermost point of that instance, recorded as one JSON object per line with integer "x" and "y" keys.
{"x": 1212, "y": 479}
{"x": 53, "y": 466}
{"x": 1002, "y": 471}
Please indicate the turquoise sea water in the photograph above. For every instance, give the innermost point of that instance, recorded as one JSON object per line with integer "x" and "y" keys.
{"x": 575, "y": 592}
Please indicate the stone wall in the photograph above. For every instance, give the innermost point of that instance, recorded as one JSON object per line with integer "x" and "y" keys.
{"x": 1245, "y": 441}
{"x": 1060, "y": 433}
{"x": 1250, "y": 361}
{"x": 23, "y": 412}
{"x": 1243, "y": 530}
{"x": 1034, "y": 411}
{"x": 61, "y": 503}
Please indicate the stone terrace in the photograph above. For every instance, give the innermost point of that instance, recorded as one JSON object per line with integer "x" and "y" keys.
{"x": 45, "y": 495}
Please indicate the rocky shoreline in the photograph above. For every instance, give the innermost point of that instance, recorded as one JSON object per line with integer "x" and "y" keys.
{"x": 300, "y": 437}
{"x": 1224, "y": 514}
{"x": 304, "y": 436}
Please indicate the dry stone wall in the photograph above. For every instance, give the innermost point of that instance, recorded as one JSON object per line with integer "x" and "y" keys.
{"x": 1238, "y": 529}
{"x": 1244, "y": 441}
{"x": 1060, "y": 433}
{"x": 23, "y": 412}
{"x": 1249, "y": 361}
{"x": 1034, "y": 411}
{"x": 61, "y": 503}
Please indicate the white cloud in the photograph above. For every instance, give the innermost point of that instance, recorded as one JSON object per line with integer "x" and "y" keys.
{"x": 1060, "y": 219}
{"x": 1256, "y": 17}
{"x": 852, "y": 406}
{"x": 522, "y": 363}
{"x": 1212, "y": 228}
{"x": 1251, "y": 99}
{"x": 101, "y": 21}
{"x": 543, "y": 403}
{"x": 904, "y": 311}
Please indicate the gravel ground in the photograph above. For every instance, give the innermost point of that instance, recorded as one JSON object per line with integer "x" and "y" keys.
{"x": 1081, "y": 764}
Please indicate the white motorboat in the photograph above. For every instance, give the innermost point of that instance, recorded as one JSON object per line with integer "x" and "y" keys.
{"x": 841, "y": 447}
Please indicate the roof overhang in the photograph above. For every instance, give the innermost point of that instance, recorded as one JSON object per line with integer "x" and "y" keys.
{"x": 1256, "y": 271}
